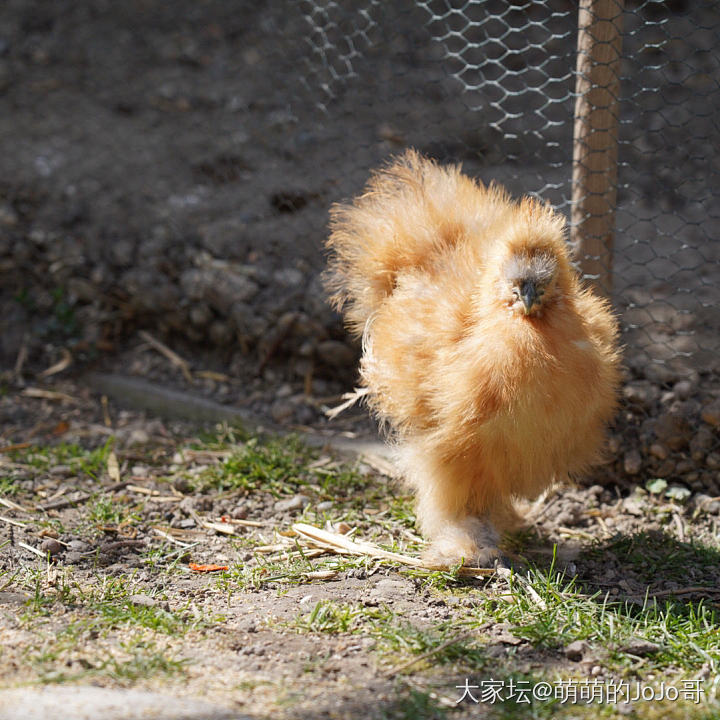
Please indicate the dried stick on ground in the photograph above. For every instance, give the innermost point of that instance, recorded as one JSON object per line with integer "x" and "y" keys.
{"x": 343, "y": 545}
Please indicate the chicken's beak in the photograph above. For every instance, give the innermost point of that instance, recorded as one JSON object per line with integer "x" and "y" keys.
{"x": 528, "y": 295}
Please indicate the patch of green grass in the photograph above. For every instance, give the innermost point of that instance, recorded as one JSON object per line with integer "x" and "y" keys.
{"x": 90, "y": 461}
{"x": 283, "y": 466}
{"x": 440, "y": 580}
{"x": 343, "y": 483}
{"x": 61, "y": 658}
{"x": 395, "y": 637}
{"x": 413, "y": 704}
{"x": 8, "y": 485}
{"x": 107, "y": 604}
{"x": 145, "y": 660}
{"x": 166, "y": 557}
{"x": 104, "y": 511}
{"x": 334, "y": 618}
{"x": 292, "y": 571}
{"x": 550, "y": 612}
{"x": 279, "y": 467}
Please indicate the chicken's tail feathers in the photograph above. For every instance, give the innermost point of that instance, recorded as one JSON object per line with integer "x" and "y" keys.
{"x": 408, "y": 213}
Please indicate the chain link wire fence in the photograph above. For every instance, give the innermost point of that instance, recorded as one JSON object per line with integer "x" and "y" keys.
{"x": 170, "y": 166}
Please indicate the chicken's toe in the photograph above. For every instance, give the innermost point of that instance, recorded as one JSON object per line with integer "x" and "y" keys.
{"x": 471, "y": 542}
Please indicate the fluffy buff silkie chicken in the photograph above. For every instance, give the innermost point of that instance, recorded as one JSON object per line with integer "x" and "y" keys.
{"x": 493, "y": 369}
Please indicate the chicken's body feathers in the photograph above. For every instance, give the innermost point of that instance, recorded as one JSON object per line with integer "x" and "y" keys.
{"x": 490, "y": 396}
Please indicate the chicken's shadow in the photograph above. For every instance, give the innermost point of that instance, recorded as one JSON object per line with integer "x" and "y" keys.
{"x": 637, "y": 567}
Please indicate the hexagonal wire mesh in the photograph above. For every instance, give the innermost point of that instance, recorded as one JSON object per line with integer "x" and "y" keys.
{"x": 493, "y": 84}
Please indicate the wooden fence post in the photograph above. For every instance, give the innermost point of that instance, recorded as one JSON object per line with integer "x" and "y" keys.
{"x": 595, "y": 141}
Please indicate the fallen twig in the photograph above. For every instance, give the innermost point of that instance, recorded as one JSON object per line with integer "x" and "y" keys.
{"x": 21, "y": 357}
{"x": 679, "y": 526}
{"x": 65, "y": 502}
{"x": 167, "y": 536}
{"x": 171, "y": 355}
{"x": 342, "y": 544}
{"x": 321, "y": 574}
{"x": 106, "y": 412}
{"x": 59, "y": 366}
{"x": 15, "y": 446}
{"x": 113, "y": 467}
{"x": 117, "y": 545}
{"x": 39, "y": 553}
{"x": 41, "y": 394}
{"x": 212, "y": 375}
{"x": 10, "y": 521}
{"x": 573, "y": 532}
{"x": 206, "y": 454}
{"x": 13, "y": 505}
{"x": 153, "y": 495}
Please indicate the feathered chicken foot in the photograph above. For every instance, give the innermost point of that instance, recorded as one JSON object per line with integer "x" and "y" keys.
{"x": 467, "y": 541}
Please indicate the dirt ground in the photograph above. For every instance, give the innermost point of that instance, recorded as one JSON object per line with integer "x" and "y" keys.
{"x": 168, "y": 168}
{"x": 114, "y": 600}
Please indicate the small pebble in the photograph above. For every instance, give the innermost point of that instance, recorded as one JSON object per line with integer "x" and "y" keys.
{"x": 239, "y": 513}
{"x": 673, "y": 430}
{"x": 640, "y": 647}
{"x": 51, "y": 546}
{"x": 632, "y": 462}
{"x": 711, "y": 413}
{"x": 659, "y": 451}
{"x": 712, "y": 461}
{"x": 575, "y": 650}
{"x": 78, "y": 545}
{"x": 141, "y": 600}
{"x": 182, "y": 484}
{"x": 297, "y": 502}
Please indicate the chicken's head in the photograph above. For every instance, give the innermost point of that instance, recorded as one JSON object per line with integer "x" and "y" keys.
{"x": 529, "y": 281}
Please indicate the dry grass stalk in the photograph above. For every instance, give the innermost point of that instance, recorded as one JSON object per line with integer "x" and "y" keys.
{"x": 171, "y": 355}
{"x": 41, "y": 394}
{"x": 113, "y": 467}
{"x": 350, "y": 399}
{"x": 10, "y": 521}
{"x": 13, "y": 505}
{"x": 37, "y": 552}
{"x": 59, "y": 366}
{"x": 341, "y": 544}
